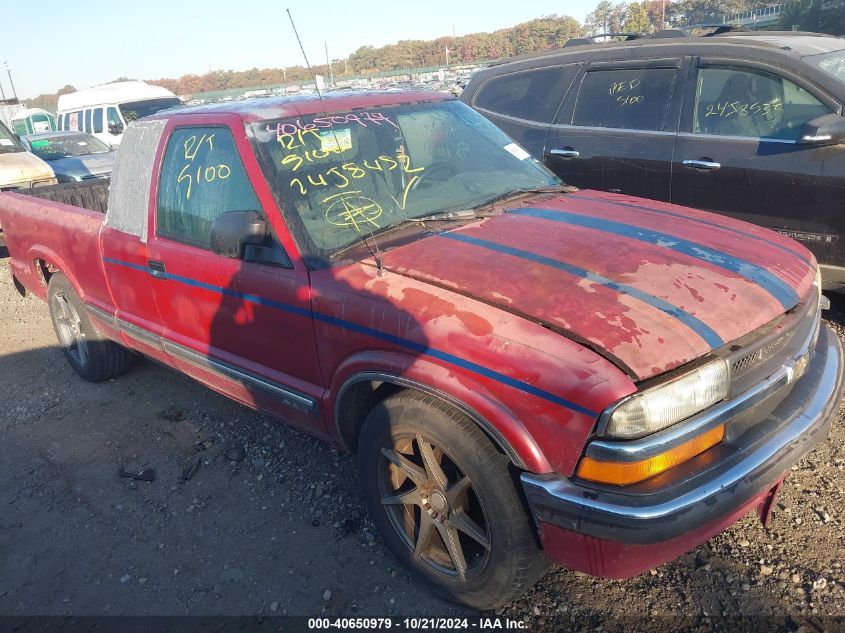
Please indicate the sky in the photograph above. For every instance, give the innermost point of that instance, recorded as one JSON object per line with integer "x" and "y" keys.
{"x": 96, "y": 41}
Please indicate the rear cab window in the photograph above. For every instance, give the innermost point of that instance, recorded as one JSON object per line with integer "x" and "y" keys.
{"x": 625, "y": 98}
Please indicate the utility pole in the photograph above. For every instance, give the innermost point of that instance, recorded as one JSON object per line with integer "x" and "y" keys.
{"x": 447, "y": 57}
{"x": 663, "y": 15}
{"x": 331, "y": 74}
{"x": 9, "y": 70}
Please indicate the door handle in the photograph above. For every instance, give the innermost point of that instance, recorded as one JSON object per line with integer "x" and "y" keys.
{"x": 707, "y": 165}
{"x": 157, "y": 269}
{"x": 564, "y": 153}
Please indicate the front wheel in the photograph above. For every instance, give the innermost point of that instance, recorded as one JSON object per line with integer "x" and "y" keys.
{"x": 445, "y": 503}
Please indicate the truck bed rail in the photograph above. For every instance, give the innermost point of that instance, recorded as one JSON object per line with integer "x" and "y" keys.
{"x": 89, "y": 194}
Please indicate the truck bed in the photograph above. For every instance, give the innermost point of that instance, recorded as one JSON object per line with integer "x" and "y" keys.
{"x": 44, "y": 233}
{"x": 89, "y": 194}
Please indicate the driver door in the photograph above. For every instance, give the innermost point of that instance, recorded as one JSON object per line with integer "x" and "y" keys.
{"x": 242, "y": 327}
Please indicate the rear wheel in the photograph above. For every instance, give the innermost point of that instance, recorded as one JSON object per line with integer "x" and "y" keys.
{"x": 91, "y": 355}
{"x": 444, "y": 501}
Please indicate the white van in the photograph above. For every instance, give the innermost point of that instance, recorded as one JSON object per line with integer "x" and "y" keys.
{"x": 106, "y": 110}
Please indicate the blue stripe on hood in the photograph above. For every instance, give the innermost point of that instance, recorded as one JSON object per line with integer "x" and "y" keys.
{"x": 771, "y": 283}
{"x": 692, "y": 322}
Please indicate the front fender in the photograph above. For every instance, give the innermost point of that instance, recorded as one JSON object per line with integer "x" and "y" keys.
{"x": 470, "y": 397}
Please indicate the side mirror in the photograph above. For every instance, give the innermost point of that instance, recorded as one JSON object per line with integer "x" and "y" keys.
{"x": 115, "y": 129}
{"x": 824, "y": 130}
{"x": 233, "y": 231}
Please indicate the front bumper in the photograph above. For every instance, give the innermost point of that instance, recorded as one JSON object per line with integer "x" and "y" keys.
{"x": 679, "y": 510}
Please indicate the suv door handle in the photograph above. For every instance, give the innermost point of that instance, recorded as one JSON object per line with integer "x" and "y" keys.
{"x": 708, "y": 165}
{"x": 157, "y": 269}
{"x": 564, "y": 153}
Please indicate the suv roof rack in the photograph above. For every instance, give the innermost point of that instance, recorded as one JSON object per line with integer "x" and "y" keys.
{"x": 666, "y": 33}
{"x": 591, "y": 39}
{"x": 719, "y": 28}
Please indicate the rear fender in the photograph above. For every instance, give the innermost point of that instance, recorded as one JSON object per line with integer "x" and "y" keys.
{"x": 43, "y": 257}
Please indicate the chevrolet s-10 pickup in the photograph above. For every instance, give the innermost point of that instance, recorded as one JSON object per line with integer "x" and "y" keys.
{"x": 526, "y": 372}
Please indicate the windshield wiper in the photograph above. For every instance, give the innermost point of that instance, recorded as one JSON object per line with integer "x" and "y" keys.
{"x": 520, "y": 193}
{"x": 463, "y": 214}
{"x": 468, "y": 214}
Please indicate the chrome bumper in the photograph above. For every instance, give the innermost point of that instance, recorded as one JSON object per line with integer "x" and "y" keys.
{"x": 713, "y": 484}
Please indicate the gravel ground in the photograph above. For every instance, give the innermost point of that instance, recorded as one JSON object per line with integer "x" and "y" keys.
{"x": 283, "y": 530}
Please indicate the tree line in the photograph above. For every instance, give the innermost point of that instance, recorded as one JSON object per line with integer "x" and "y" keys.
{"x": 545, "y": 33}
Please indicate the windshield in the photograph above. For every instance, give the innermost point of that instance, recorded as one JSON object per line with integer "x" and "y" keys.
{"x": 8, "y": 142}
{"x": 831, "y": 63}
{"x": 343, "y": 175}
{"x": 67, "y": 145}
{"x": 138, "y": 109}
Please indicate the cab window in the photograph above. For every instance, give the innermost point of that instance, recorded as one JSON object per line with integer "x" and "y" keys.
{"x": 633, "y": 99}
{"x": 533, "y": 95}
{"x": 113, "y": 119}
{"x": 733, "y": 101}
{"x": 201, "y": 178}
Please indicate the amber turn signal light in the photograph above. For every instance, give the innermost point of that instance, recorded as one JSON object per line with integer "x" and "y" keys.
{"x": 625, "y": 473}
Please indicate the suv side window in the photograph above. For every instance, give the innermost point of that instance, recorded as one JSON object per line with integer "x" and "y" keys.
{"x": 634, "y": 99}
{"x": 734, "y": 101}
{"x": 201, "y": 178}
{"x": 533, "y": 95}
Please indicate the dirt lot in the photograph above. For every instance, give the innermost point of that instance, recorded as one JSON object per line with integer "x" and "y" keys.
{"x": 284, "y": 532}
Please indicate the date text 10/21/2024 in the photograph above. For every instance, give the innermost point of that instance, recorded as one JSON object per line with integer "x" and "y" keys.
{"x": 482, "y": 623}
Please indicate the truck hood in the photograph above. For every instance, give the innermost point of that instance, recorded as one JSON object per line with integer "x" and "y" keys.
{"x": 17, "y": 167}
{"x": 648, "y": 285}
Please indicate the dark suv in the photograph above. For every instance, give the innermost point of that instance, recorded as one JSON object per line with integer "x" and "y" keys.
{"x": 748, "y": 124}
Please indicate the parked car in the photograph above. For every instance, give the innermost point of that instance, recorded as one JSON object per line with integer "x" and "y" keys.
{"x": 748, "y": 124}
{"x": 517, "y": 366}
{"x": 18, "y": 168}
{"x": 32, "y": 121}
{"x": 73, "y": 156}
{"x": 106, "y": 110}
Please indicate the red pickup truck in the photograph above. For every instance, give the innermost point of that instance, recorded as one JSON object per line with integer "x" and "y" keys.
{"x": 521, "y": 367}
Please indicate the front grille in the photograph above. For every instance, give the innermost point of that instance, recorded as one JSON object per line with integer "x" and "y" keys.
{"x": 758, "y": 356}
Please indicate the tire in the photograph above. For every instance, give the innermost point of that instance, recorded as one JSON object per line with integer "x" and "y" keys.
{"x": 91, "y": 355}
{"x": 478, "y": 509}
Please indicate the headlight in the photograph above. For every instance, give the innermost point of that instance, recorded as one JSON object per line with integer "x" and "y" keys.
{"x": 663, "y": 405}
